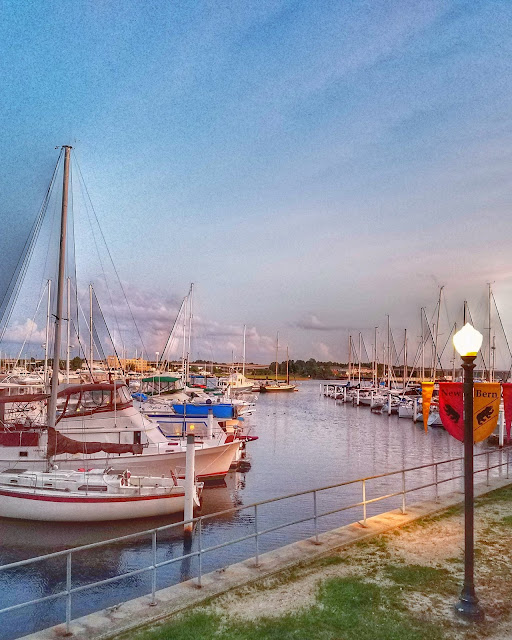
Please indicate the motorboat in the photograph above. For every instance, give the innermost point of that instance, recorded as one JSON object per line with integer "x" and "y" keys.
{"x": 104, "y": 413}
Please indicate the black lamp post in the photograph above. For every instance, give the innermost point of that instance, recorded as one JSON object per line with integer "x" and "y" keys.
{"x": 467, "y": 342}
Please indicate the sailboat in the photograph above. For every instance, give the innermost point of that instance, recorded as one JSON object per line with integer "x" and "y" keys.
{"x": 279, "y": 386}
{"x": 98, "y": 412}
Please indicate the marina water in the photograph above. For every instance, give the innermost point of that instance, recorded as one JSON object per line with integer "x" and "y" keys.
{"x": 306, "y": 441}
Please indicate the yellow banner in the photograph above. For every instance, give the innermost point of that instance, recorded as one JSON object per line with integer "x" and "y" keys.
{"x": 486, "y": 409}
{"x": 427, "y": 389}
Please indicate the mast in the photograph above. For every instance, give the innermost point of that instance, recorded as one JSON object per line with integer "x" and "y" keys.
{"x": 437, "y": 334}
{"x": 52, "y": 403}
{"x": 349, "y": 359}
{"x": 359, "y": 358}
{"x": 389, "y": 355}
{"x": 287, "y": 368}
{"x": 47, "y": 339}
{"x": 243, "y": 353}
{"x": 68, "y": 336}
{"x": 454, "y": 352}
{"x": 277, "y": 351}
{"x": 375, "y": 383}
{"x": 405, "y": 372}
{"x": 490, "y": 375}
{"x": 190, "y": 316}
{"x": 91, "y": 339}
{"x": 422, "y": 312}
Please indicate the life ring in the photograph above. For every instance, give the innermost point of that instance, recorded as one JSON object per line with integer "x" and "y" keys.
{"x": 125, "y": 478}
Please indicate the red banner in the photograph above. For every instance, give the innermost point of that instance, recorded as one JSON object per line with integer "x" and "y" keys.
{"x": 507, "y": 405}
{"x": 451, "y": 408}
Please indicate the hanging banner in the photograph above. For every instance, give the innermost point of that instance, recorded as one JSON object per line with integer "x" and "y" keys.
{"x": 486, "y": 409}
{"x": 427, "y": 389}
{"x": 507, "y": 405}
{"x": 451, "y": 408}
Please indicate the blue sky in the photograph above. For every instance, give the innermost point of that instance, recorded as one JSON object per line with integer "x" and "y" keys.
{"x": 311, "y": 166}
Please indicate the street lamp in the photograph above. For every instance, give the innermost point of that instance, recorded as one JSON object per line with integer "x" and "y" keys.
{"x": 467, "y": 342}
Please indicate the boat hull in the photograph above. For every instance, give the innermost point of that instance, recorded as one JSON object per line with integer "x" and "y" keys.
{"x": 277, "y": 388}
{"x": 29, "y": 506}
{"x": 211, "y": 463}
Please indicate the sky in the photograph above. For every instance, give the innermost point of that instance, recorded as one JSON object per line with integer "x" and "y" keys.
{"x": 311, "y": 166}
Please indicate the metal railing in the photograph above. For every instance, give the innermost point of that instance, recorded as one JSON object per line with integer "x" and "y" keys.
{"x": 314, "y": 517}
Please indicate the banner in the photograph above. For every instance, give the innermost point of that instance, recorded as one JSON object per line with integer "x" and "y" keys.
{"x": 486, "y": 409}
{"x": 451, "y": 408}
{"x": 427, "y": 389}
{"x": 507, "y": 405}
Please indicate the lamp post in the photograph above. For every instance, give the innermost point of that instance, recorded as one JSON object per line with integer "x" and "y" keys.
{"x": 467, "y": 342}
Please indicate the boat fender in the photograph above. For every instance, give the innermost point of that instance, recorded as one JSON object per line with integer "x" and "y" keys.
{"x": 174, "y": 478}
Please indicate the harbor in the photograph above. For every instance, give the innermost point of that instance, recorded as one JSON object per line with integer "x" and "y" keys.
{"x": 305, "y": 441}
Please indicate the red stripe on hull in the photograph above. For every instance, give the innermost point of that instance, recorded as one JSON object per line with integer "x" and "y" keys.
{"x": 31, "y": 496}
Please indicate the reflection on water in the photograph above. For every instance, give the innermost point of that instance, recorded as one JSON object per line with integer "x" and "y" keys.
{"x": 305, "y": 442}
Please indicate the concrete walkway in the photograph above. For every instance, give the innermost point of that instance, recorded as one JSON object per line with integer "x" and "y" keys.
{"x": 137, "y": 613}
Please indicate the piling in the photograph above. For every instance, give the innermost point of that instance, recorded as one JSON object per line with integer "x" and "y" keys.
{"x": 190, "y": 476}
{"x": 501, "y": 428}
{"x": 389, "y": 403}
{"x": 209, "y": 424}
{"x": 415, "y": 410}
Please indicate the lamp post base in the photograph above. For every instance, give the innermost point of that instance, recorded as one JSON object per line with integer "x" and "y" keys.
{"x": 468, "y": 608}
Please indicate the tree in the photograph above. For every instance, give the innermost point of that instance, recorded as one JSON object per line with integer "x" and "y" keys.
{"x": 75, "y": 363}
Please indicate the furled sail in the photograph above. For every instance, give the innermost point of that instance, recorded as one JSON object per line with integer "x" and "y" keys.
{"x": 57, "y": 443}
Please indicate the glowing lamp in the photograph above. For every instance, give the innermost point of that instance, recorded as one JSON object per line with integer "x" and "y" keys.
{"x": 192, "y": 427}
{"x": 467, "y": 341}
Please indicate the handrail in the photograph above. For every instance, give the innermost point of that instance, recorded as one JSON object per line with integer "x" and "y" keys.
{"x": 199, "y": 521}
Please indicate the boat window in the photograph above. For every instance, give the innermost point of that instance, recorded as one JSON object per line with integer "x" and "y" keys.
{"x": 23, "y": 454}
{"x": 123, "y": 395}
{"x": 96, "y": 398}
{"x": 92, "y": 487}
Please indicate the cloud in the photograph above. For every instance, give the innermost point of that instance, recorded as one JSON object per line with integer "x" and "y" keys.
{"x": 25, "y": 332}
{"x": 312, "y": 323}
{"x": 323, "y": 352}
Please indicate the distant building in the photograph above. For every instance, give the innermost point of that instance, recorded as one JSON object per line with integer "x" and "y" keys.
{"x": 128, "y": 364}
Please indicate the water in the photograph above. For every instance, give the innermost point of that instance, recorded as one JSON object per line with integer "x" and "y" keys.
{"x": 305, "y": 442}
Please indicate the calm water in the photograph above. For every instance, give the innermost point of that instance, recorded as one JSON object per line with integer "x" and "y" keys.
{"x": 305, "y": 442}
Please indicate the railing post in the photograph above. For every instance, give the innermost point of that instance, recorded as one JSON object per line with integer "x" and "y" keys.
{"x": 436, "y": 475}
{"x": 200, "y": 539}
{"x": 315, "y": 517}
{"x": 153, "y": 573}
{"x": 257, "y": 563}
{"x": 403, "y": 492}
{"x": 68, "y": 593}
{"x": 364, "y": 503}
{"x": 488, "y": 465}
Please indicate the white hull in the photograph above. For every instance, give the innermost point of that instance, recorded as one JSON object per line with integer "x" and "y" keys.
{"x": 26, "y": 506}
{"x": 211, "y": 463}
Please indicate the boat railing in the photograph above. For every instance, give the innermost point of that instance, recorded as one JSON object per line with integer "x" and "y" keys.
{"x": 368, "y": 491}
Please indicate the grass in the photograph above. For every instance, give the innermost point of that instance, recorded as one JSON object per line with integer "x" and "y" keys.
{"x": 507, "y": 521}
{"x": 420, "y": 578}
{"x": 345, "y": 608}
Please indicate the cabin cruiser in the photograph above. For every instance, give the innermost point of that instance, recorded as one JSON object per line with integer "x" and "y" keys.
{"x": 104, "y": 413}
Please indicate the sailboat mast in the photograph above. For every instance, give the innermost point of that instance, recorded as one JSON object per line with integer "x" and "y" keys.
{"x": 277, "y": 350}
{"x": 52, "y": 403}
{"x": 406, "y": 373}
{"x": 243, "y": 353}
{"x": 47, "y": 339}
{"x": 375, "y": 374}
{"x": 349, "y": 358}
{"x": 91, "y": 339}
{"x": 490, "y": 376}
{"x": 68, "y": 332}
{"x": 437, "y": 334}
{"x": 287, "y": 368}
{"x": 359, "y": 358}
{"x": 389, "y": 355}
{"x": 422, "y": 344}
{"x": 190, "y": 316}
